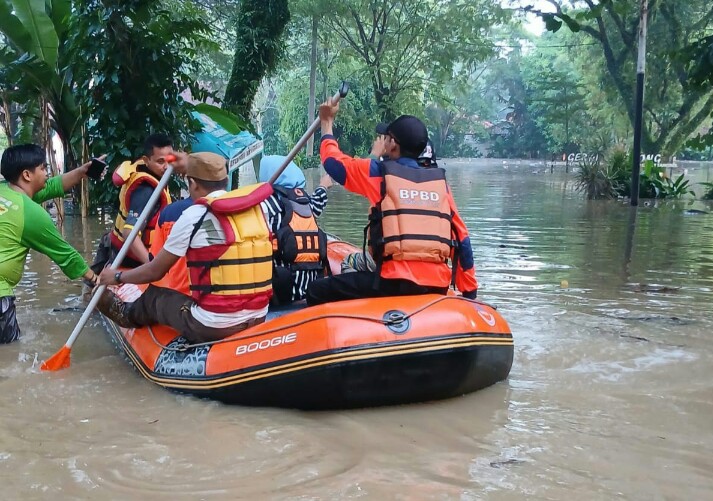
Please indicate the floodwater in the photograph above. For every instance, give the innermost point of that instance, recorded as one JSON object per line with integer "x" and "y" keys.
{"x": 610, "y": 395}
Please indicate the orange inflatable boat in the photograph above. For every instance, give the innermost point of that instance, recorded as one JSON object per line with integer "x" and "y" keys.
{"x": 358, "y": 353}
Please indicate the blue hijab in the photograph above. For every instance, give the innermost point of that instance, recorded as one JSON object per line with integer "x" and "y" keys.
{"x": 291, "y": 177}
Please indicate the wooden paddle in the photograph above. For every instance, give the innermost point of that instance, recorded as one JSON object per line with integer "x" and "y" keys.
{"x": 61, "y": 359}
{"x": 343, "y": 91}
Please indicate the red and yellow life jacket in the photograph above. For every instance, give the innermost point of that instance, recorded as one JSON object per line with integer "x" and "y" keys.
{"x": 130, "y": 176}
{"x": 237, "y": 274}
{"x": 412, "y": 221}
{"x": 299, "y": 242}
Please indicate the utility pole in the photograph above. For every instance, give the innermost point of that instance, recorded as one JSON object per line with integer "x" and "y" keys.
{"x": 639, "y": 110}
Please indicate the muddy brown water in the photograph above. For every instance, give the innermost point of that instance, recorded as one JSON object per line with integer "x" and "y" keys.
{"x": 610, "y": 395}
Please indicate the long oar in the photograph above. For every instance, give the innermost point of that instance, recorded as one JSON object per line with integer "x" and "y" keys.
{"x": 343, "y": 91}
{"x": 61, "y": 359}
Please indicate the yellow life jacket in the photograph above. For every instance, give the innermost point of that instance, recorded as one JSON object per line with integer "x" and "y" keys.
{"x": 129, "y": 177}
{"x": 236, "y": 274}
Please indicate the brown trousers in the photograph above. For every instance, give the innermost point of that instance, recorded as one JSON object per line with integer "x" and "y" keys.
{"x": 158, "y": 305}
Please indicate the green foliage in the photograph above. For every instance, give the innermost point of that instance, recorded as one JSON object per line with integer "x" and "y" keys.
{"x": 619, "y": 164}
{"x": 596, "y": 180}
{"x": 698, "y": 60}
{"x": 36, "y": 63}
{"x": 676, "y": 106}
{"x": 312, "y": 162}
{"x": 227, "y": 120}
{"x": 456, "y": 113}
{"x": 135, "y": 57}
{"x": 708, "y": 195}
{"x": 613, "y": 178}
{"x": 555, "y": 96}
{"x": 516, "y": 134}
{"x": 401, "y": 45}
{"x": 258, "y": 45}
{"x": 655, "y": 183}
{"x": 354, "y": 127}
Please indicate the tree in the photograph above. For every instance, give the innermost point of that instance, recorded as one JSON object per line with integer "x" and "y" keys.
{"x": 674, "y": 109}
{"x": 35, "y": 60}
{"x": 401, "y": 43}
{"x": 354, "y": 132}
{"x": 134, "y": 59}
{"x": 457, "y": 113}
{"x": 698, "y": 58}
{"x": 555, "y": 98}
{"x": 258, "y": 44}
{"x": 518, "y": 134}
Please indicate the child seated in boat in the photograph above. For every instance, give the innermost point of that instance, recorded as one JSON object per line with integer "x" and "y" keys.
{"x": 299, "y": 245}
{"x": 226, "y": 242}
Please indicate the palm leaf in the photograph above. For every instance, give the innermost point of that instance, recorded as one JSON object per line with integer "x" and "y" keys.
{"x": 227, "y": 120}
{"x": 45, "y": 43}
{"x": 59, "y": 12}
{"x": 13, "y": 28}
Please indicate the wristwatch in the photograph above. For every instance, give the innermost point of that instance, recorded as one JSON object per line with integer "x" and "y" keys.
{"x": 117, "y": 277}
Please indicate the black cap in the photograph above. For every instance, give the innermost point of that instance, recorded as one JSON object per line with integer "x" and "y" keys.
{"x": 381, "y": 128}
{"x": 410, "y": 133}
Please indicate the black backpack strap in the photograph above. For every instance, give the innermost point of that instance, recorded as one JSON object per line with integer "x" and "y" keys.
{"x": 198, "y": 225}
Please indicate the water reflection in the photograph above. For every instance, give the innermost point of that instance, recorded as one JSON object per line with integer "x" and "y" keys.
{"x": 610, "y": 394}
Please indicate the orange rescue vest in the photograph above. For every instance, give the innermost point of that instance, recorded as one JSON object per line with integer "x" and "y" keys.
{"x": 412, "y": 221}
{"x": 177, "y": 277}
{"x": 129, "y": 177}
{"x": 236, "y": 274}
{"x": 299, "y": 242}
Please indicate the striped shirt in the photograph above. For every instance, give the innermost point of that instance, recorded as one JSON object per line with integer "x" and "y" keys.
{"x": 274, "y": 211}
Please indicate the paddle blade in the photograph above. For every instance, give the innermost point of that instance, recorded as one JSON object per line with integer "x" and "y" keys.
{"x": 58, "y": 361}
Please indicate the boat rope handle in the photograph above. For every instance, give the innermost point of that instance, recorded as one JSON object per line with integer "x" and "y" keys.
{"x": 391, "y": 321}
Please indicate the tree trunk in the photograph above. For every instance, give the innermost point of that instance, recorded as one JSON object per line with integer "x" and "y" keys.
{"x": 7, "y": 120}
{"x": 312, "y": 85}
{"x": 46, "y": 141}
{"x": 259, "y": 28}
{"x": 85, "y": 181}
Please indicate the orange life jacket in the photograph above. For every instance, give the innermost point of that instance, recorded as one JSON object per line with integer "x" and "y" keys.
{"x": 412, "y": 221}
{"x": 129, "y": 177}
{"x": 177, "y": 277}
{"x": 299, "y": 242}
{"x": 237, "y": 274}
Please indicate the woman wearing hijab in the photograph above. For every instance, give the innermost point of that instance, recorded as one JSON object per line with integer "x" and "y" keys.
{"x": 299, "y": 246}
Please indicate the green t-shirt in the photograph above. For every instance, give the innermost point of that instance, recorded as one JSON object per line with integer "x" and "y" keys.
{"x": 25, "y": 225}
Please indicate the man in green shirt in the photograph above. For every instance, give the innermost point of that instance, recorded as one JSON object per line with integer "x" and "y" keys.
{"x": 25, "y": 225}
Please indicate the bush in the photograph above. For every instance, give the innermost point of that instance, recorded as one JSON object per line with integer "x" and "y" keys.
{"x": 708, "y": 195}
{"x": 614, "y": 180}
{"x": 312, "y": 162}
{"x": 595, "y": 180}
{"x": 656, "y": 184}
{"x": 618, "y": 161}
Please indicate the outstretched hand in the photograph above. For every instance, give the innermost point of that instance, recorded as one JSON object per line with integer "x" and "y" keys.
{"x": 84, "y": 168}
